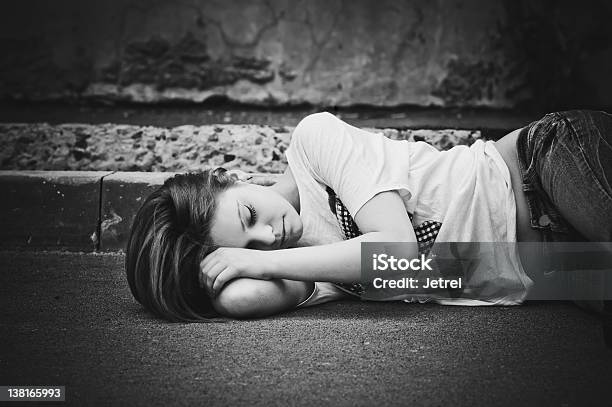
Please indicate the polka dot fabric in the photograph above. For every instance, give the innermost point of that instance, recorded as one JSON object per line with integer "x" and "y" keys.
{"x": 426, "y": 233}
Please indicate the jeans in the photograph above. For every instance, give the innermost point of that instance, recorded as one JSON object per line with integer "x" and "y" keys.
{"x": 565, "y": 160}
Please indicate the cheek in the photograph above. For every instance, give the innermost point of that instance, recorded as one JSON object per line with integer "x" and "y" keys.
{"x": 230, "y": 241}
{"x": 224, "y": 236}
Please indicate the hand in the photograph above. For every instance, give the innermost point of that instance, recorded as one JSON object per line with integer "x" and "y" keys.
{"x": 265, "y": 180}
{"x": 252, "y": 178}
{"x": 228, "y": 263}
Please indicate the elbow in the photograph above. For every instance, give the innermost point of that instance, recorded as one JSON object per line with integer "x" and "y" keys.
{"x": 250, "y": 298}
{"x": 409, "y": 245}
{"x": 236, "y": 300}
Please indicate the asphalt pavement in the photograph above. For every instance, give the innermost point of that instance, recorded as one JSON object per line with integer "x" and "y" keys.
{"x": 69, "y": 319}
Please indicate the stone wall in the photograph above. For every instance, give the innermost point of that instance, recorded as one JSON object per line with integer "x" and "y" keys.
{"x": 112, "y": 147}
{"x": 499, "y": 54}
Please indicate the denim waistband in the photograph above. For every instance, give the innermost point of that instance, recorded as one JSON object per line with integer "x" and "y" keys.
{"x": 531, "y": 144}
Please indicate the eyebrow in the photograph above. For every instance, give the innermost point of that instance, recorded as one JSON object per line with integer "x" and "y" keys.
{"x": 239, "y": 216}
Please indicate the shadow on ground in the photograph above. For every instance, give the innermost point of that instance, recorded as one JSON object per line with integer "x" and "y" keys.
{"x": 69, "y": 319}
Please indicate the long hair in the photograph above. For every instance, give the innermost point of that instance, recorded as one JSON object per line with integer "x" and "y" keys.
{"x": 170, "y": 236}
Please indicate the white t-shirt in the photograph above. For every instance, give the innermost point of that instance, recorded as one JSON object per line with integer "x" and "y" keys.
{"x": 466, "y": 190}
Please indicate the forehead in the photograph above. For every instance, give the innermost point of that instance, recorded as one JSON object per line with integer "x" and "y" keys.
{"x": 244, "y": 193}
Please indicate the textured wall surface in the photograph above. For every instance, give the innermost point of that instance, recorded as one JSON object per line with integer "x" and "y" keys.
{"x": 113, "y": 147}
{"x": 333, "y": 52}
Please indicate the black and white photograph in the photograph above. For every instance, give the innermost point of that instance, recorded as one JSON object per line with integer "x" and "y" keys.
{"x": 306, "y": 203}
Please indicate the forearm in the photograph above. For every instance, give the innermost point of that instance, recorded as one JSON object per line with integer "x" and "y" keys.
{"x": 250, "y": 298}
{"x": 336, "y": 262}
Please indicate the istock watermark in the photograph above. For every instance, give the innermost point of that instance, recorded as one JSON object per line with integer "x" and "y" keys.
{"x": 487, "y": 271}
{"x": 384, "y": 262}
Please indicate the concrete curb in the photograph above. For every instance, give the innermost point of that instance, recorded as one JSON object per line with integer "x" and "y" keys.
{"x": 122, "y": 194}
{"x": 50, "y": 210}
{"x": 86, "y": 211}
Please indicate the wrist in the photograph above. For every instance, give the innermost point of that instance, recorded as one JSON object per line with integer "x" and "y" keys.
{"x": 271, "y": 265}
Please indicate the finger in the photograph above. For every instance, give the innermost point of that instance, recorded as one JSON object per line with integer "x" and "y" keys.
{"x": 262, "y": 180}
{"x": 209, "y": 260}
{"x": 238, "y": 175}
{"x": 210, "y": 266}
{"x": 226, "y": 275}
{"x": 202, "y": 273}
{"x": 204, "y": 267}
{"x": 211, "y": 274}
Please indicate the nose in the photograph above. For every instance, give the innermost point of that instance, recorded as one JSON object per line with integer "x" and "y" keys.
{"x": 262, "y": 237}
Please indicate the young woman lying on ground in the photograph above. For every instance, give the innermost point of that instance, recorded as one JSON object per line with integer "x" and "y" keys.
{"x": 206, "y": 245}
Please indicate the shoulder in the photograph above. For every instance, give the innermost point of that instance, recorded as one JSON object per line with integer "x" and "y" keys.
{"x": 310, "y": 128}
{"x": 310, "y": 142}
{"x": 316, "y": 120}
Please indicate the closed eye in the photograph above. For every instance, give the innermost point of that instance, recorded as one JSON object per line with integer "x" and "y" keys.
{"x": 253, "y": 219}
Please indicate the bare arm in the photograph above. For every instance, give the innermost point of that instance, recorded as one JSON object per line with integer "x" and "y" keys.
{"x": 250, "y": 298}
{"x": 382, "y": 219}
